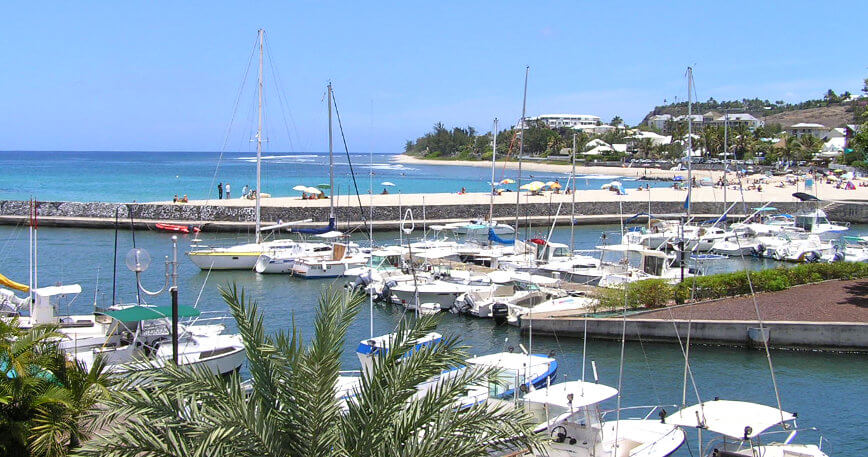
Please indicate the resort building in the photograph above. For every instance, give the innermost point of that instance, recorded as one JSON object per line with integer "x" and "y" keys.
{"x": 583, "y": 122}
{"x": 808, "y": 128}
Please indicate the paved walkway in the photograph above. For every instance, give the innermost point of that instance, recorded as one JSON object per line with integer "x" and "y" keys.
{"x": 830, "y": 301}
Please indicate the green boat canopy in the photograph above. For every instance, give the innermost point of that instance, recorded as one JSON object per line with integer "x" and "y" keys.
{"x": 145, "y": 313}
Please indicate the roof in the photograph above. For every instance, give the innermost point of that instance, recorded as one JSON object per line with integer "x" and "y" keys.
{"x": 566, "y": 116}
{"x": 572, "y": 394}
{"x": 807, "y": 125}
{"x": 730, "y": 418}
{"x": 145, "y": 313}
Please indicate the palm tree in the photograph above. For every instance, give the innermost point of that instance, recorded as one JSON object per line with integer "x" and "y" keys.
{"x": 291, "y": 408}
{"x": 43, "y": 398}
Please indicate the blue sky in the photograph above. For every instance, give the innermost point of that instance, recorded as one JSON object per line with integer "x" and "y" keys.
{"x": 164, "y": 75}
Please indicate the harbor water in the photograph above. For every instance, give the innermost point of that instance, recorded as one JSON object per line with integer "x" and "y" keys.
{"x": 828, "y": 390}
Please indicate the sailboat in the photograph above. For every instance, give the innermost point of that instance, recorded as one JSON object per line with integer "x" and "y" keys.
{"x": 244, "y": 256}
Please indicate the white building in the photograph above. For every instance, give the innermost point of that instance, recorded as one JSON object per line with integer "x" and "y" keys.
{"x": 658, "y": 121}
{"x": 583, "y": 122}
{"x": 737, "y": 119}
{"x": 808, "y": 128}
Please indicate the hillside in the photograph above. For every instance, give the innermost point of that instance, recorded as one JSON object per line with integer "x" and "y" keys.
{"x": 830, "y": 116}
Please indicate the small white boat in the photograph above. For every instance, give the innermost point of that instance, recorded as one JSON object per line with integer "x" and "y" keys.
{"x": 569, "y": 303}
{"x": 744, "y": 429}
{"x": 282, "y": 260}
{"x": 570, "y": 414}
{"x": 140, "y": 339}
{"x": 343, "y": 256}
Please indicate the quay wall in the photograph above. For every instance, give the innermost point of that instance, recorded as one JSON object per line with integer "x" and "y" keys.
{"x": 12, "y": 211}
{"x": 833, "y": 336}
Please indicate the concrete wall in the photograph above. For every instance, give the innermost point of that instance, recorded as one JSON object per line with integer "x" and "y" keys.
{"x": 814, "y": 335}
{"x": 845, "y": 211}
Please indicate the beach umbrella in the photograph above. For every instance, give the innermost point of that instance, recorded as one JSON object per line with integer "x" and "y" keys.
{"x": 313, "y": 190}
{"x": 678, "y": 178}
{"x": 300, "y": 188}
{"x": 553, "y": 185}
{"x": 323, "y": 186}
{"x": 533, "y": 186}
{"x": 508, "y": 181}
{"x": 837, "y": 170}
{"x": 387, "y": 184}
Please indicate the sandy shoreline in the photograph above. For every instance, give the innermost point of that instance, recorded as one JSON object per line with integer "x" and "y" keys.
{"x": 565, "y": 169}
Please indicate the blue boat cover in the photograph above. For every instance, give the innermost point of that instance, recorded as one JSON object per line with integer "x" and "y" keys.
{"x": 493, "y": 237}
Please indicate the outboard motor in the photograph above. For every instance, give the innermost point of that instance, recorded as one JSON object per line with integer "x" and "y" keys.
{"x": 499, "y": 312}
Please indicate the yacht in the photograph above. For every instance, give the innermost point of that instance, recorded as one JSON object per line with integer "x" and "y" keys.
{"x": 282, "y": 260}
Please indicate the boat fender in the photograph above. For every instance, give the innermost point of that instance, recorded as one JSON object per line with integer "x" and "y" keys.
{"x": 760, "y": 248}
{"x": 510, "y": 349}
{"x": 839, "y": 257}
{"x": 662, "y": 415}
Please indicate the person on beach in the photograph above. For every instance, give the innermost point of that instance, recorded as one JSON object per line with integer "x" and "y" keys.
{"x": 184, "y": 200}
{"x": 175, "y": 200}
{"x": 384, "y": 192}
{"x": 304, "y": 195}
{"x": 228, "y": 190}
{"x": 220, "y": 191}
{"x": 463, "y": 191}
{"x": 245, "y": 190}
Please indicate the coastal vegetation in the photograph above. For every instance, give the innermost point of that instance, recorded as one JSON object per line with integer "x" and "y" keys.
{"x": 46, "y": 401}
{"x": 290, "y": 407}
{"x": 657, "y": 293}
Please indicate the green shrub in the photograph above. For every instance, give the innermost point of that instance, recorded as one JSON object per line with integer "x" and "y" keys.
{"x": 736, "y": 283}
{"x": 433, "y": 155}
{"x": 650, "y": 293}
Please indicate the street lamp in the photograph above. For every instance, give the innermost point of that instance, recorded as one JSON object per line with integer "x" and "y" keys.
{"x": 138, "y": 260}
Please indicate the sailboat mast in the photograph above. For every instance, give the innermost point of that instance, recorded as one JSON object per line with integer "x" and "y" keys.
{"x": 331, "y": 159}
{"x": 493, "y": 161}
{"x": 573, "y": 205}
{"x": 259, "y": 146}
{"x": 689, "y": 139}
{"x": 520, "y": 152}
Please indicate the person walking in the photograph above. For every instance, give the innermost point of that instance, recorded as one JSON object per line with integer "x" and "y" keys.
{"x": 220, "y": 191}
{"x": 228, "y": 190}
{"x": 244, "y": 191}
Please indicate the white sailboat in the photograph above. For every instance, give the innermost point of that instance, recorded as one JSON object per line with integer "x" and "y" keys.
{"x": 244, "y": 256}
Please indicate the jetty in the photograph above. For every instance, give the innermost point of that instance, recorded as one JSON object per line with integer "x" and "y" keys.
{"x": 831, "y": 315}
{"x": 544, "y": 208}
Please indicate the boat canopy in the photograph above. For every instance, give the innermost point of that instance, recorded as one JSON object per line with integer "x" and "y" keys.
{"x": 51, "y": 291}
{"x": 735, "y": 419}
{"x": 316, "y": 231}
{"x": 146, "y": 313}
{"x": 571, "y": 394}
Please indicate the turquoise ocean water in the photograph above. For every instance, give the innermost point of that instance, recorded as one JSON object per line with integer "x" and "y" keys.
{"x": 153, "y": 176}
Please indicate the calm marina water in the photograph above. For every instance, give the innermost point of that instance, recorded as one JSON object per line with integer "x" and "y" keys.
{"x": 157, "y": 176}
{"x": 828, "y": 390}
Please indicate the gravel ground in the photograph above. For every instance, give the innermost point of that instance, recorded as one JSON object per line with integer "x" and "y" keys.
{"x": 831, "y": 301}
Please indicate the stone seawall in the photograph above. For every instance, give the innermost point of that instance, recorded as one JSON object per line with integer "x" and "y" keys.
{"x": 853, "y": 212}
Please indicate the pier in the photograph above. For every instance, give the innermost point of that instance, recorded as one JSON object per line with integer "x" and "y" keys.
{"x": 352, "y": 212}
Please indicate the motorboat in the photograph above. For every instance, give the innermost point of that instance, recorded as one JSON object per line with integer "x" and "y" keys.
{"x": 495, "y": 302}
{"x": 744, "y": 429}
{"x": 282, "y": 260}
{"x": 140, "y": 339}
{"x": 515, "y": 311}
{"x": 817, "y": 223}
{"x": 343, "y": 256}
{"x": 791, "y": 247}
{"x": 570, "y": 414}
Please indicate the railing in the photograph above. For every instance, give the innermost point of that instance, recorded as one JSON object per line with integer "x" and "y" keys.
{"x": 651, "y": 409}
